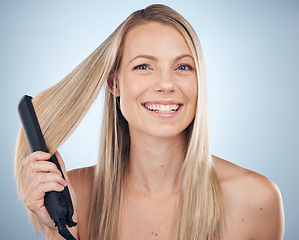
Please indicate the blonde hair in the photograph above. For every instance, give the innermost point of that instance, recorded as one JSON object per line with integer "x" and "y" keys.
{"x": 61, "y": 108}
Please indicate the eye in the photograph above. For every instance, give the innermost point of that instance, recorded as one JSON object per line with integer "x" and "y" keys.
{"x": 141, "y": 67}
{"x": 185, "y": 67}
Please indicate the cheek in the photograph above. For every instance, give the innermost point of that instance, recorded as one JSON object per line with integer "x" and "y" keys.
{"x": 132, "y": 87}
{"x": 191, "y": 93}
{"x": 190, "y": 90}
{"x": 130, "y": 91}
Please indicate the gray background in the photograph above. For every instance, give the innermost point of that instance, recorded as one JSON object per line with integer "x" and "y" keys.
{"x": 251, "y": 52}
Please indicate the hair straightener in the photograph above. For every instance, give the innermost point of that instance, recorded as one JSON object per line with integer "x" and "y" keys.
{"x": 58, "y": 204}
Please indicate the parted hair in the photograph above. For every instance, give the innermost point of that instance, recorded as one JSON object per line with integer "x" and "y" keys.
{"x": 61, "y": 108}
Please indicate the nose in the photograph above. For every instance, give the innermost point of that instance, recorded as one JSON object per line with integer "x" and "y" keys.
{"x": 164, "y": 83}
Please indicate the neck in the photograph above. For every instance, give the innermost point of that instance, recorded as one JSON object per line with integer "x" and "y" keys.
{"x": 154, "y": 164}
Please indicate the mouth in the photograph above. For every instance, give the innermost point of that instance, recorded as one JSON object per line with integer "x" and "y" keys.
{"x": 162, "y": 108}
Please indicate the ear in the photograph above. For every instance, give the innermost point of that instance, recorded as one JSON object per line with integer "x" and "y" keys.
{"x": 112, "y": 84}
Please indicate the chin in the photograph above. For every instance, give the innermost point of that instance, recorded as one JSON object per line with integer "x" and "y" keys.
{"x": 167, "y": 134}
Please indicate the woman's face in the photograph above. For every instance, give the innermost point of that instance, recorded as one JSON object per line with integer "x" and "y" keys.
{"x": 157, "y": 81}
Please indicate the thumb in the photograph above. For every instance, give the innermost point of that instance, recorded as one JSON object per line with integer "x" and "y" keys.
{"x": 74, "y": 231}
{"x": 62, "y": 165}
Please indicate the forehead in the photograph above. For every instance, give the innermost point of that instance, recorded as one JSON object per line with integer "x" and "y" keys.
{"x": 155, "y": 38}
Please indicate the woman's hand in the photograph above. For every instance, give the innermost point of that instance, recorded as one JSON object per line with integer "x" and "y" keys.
{"x": 42, "y": 176}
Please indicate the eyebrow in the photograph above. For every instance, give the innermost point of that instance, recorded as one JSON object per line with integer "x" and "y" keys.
{"x": 155, "y": 59}
{"x": 144, "y": 56}
{"x": 183, "y": 56}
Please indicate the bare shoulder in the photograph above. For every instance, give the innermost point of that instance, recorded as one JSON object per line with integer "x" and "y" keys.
{"x": 82, "y": 177}
{"x": 81, "y": 181}
{"x": 252, "y": 201}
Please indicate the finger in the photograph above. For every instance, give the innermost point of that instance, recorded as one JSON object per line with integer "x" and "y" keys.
{"x": 42, "y": 178}
{"x": 36, "y": 167}
{"x": 39, "y": 209}
{"x": 35, "y": 199}
{"x": 48, "y": 177}
{"x": 42, "y": 166}
{"x": 36, "y": 156}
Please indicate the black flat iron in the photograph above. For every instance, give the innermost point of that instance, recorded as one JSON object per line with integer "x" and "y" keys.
{"x": 58, "y": 204}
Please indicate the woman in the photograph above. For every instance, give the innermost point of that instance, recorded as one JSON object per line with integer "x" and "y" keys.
{"x": 155, "y": 177}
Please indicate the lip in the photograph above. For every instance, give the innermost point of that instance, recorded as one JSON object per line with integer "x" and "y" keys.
{"x": 163, "y": 102}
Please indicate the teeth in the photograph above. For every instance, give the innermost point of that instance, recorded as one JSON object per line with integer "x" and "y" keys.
{"x": 162, "y": 108}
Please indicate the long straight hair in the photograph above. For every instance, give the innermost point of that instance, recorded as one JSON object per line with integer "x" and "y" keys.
{"x": 61, "y": 108}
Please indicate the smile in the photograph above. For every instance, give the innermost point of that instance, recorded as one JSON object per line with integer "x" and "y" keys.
{"x": 162, "y": 108}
